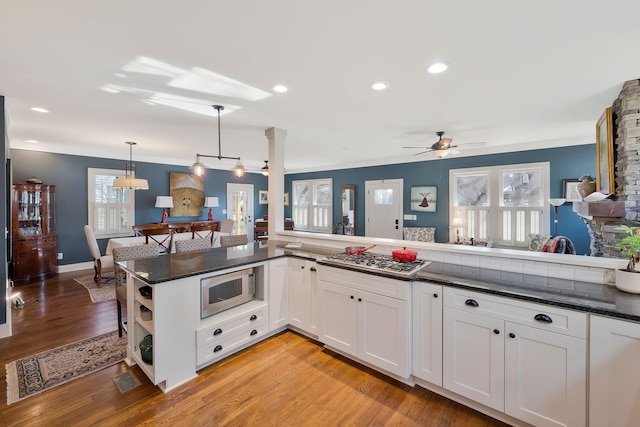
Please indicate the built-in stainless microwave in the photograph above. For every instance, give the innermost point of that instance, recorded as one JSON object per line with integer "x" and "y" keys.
{"x": 222, "y": 292}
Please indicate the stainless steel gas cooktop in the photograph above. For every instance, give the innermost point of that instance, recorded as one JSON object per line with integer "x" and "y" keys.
{"x": 370, "y": 261}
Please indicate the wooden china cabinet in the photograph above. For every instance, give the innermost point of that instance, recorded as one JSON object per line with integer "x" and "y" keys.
{"x": 33, "y": 232}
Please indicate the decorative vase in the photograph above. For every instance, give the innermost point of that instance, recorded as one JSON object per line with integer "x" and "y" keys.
{"x": 587, "y": 186}
{"x": 628, "y": 281}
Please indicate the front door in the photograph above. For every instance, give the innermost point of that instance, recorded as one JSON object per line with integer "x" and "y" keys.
{"x": 240, "y": 208}
{"x": 384, "y": 208}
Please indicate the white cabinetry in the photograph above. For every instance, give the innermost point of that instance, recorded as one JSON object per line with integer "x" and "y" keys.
{"x": 278, "y": 294}
{"x": 303, "y": 295}
{"x": 614, "y": 372}
{"x": 427, "y": 332}
{"x": 524, "y": 359}
{"x": 366, "y": 316}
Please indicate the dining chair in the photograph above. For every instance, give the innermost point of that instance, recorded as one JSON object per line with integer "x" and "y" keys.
{"x": 204, "y": 230}
{"x": 226, "y": 226}
{"x": 161, "y": 236}
{"x": 100, "y": 262}
{"x": 192, "y": 245}
{"x": 124, "y": 253}
{"x": 234, "y": 240}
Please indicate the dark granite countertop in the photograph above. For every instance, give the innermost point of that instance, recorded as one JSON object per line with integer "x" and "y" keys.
{"x": 583, "y": 296}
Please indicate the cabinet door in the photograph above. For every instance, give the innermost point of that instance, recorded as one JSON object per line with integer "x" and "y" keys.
{"x": 383, "y": 326}
{"x": 278, "y": 294}
{"x": 338, "y": 317}
{"x": 545, "y": 377}
{"x": 614, "y": 372}
{"x": 299, "y": 294}
{"x": 427, "y": 332}
{"x": 473, "y": 357}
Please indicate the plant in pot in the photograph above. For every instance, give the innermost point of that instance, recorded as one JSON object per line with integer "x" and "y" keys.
{"x": 628, "y": 279}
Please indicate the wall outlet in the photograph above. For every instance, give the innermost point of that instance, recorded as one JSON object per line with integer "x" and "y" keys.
{"x": 408, "y": 217}
{"x": 59, "y": 255}
{"x": 224, "y": 211}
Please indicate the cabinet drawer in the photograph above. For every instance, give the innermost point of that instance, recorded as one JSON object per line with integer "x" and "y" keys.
{"x": 541, "y": 316}
{"x": 213, "y": 351}
{"x": 219, "y": 331}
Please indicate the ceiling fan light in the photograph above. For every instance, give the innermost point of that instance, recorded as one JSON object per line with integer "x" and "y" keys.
{"x": 441, "y": 153}
{"x": 265, "y": 168}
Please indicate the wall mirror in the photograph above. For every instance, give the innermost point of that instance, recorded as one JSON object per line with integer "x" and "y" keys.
{"x": 348, "y": 214}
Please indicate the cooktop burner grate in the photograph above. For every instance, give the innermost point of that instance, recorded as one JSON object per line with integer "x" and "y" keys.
{"x": 372, "y": 261}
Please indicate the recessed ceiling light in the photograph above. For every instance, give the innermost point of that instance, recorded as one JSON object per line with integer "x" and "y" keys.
{"x": 380, "y": 85}
{"x": 110, "y": 89}
{"x": 280, "y": 88}
{"x": 40, "y": 109}
{"x": 32, "y": 141}
{"x": 438, "y": 67}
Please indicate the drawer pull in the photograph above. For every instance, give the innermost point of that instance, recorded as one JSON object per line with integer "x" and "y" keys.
{"x": 253, "y": 317}
{"x": 472, "y": 303}
{"x": 435, "y": 295}
{"x": 253, "y": 332}
{"x": 496, "y": 331}
{"x": 313, "y": 269}
{"x": 217, "y": 332}
{"x": 217, "y": 349}
{"x": 512, "y": 335}
{"x": 543, "y": 318}
{"x": 351, "y": 296}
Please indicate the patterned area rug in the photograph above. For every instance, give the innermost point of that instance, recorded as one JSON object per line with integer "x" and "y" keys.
{"x": 40, "y": 372}
{"x": 105, "y": 292}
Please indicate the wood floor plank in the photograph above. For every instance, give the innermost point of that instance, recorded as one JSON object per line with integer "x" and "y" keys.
{"x": 286, "y": 380}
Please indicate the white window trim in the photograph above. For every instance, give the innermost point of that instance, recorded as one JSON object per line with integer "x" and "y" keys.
{"x": 310, "y": 210}
{"x": 91, "y": 205}
{"x": 495, "y": 208}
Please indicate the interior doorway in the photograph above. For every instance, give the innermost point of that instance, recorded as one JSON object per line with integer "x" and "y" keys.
{"x": 240, "y": 208}
{"x": 383, "y": 208}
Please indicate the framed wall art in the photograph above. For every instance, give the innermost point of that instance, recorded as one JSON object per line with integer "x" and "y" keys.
{"x": 570, "y": 190}
{"x": 187, "y": 191}
{"x": 423, "y": 198}
{"x": 605, "y": 178}
{"x": 263, "y": 197}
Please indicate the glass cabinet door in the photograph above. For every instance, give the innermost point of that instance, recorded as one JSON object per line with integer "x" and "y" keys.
{"x": 34, "y": 213}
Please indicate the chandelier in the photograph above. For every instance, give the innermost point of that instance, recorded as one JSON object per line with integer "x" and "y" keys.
{"x": 130, "y": 181}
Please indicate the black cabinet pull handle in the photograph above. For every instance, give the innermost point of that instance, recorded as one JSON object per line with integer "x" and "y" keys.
{"x": 435, "y": 295}
{"x": 472, "y": 303}
{"x": 543, "y": 318}
{"x": 217, "y": 332}
{"x": 217, "y": 349}
{"x": 359, "y": 299}
{"x": 253, "y": 317}
{"x": 302, "y": 267}
{"x": 351, "y": 296}
{"x": 512, "y": 335}
{"x": 496, "y": 331}
{"x": 254, "y": 332}
{"x": 313, "y": 269}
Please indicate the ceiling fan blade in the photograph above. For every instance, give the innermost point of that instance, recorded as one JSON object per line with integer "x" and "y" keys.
{"x": 422, "y": 152}
{"x": 415, "y": 147}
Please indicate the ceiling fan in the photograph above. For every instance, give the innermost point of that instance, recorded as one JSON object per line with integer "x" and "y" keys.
{"x": 443, "y": 147}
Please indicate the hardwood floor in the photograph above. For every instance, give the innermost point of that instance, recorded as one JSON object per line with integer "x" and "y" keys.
{"x": 287, "y": 380}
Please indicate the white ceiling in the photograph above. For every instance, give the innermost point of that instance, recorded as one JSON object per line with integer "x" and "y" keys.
{"x": 523, "y": 74}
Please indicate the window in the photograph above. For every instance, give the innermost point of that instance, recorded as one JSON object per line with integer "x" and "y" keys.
{"x": 499, "y": 203}
{"x": 312, "y": 205}
{"x": 111, "y": 211}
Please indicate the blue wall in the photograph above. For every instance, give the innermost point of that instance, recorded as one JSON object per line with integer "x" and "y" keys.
{"x": 69, "y": 175}
{"x": 565, "y": 162}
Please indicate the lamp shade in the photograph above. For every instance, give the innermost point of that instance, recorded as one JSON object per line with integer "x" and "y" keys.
{"x": 211, "y": 202}
{"x": 557, "y": 202}
{"x": 164, "y": 202}
{"x": 131, "y": 183}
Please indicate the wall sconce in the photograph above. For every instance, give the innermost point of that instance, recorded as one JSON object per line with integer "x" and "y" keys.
{"x": 555, "y": 203}
{"x": 211, "y": 202}
{"x": 164, "y": 202}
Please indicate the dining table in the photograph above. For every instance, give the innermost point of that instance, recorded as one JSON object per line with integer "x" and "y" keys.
{"x": 141, "y": 240}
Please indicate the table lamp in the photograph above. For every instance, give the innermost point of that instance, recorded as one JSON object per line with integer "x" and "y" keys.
{"x": 164, "y": 202}
{"x": 555, "y": 203}
{"x": 210, "y": 202}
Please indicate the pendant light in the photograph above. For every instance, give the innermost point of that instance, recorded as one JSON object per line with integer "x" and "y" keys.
{"x": 129, "y": 181}
{"x": 198, "y": 167}
{"x": 265, "y": 168}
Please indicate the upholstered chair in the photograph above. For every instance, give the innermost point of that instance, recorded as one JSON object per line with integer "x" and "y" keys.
{"x": 101, "y": 263}
{"x": 192, "y": 245}
{"x": 235, "y": 240}
{"x": 122, "y": 254}
{"x": 226, "y": 226}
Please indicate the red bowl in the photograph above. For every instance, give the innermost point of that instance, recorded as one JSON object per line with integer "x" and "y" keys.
{"x": 404, "y": 255}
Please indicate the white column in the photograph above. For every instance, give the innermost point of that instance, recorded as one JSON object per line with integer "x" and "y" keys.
{"x": 276, "y": 138}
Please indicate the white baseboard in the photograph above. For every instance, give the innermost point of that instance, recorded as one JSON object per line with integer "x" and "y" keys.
{"x": 75, "y": 267}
